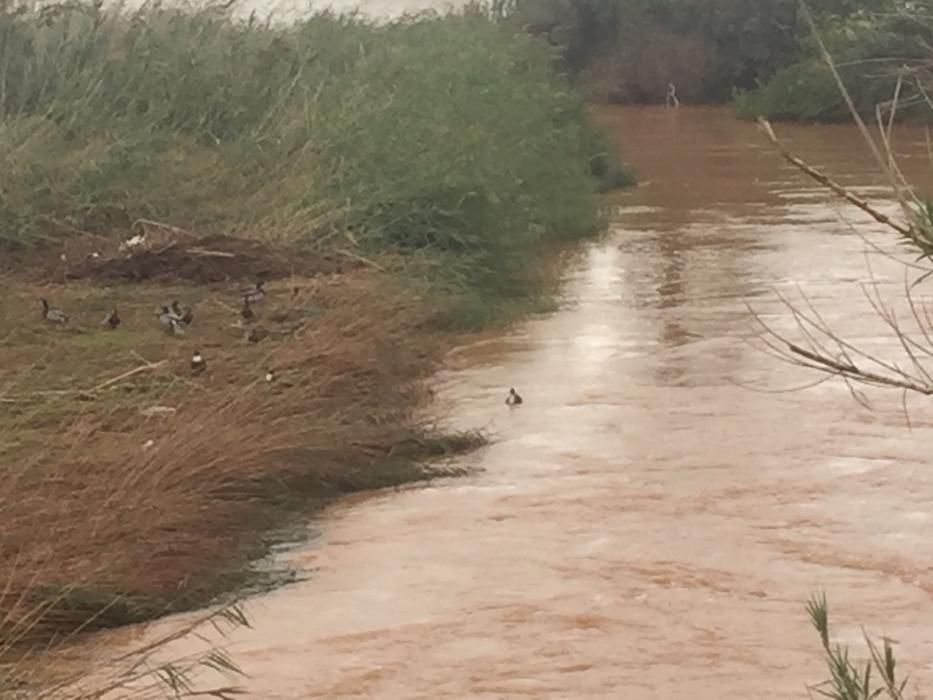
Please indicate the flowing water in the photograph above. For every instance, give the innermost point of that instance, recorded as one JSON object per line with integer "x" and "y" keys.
{"x": 650, "y": 523}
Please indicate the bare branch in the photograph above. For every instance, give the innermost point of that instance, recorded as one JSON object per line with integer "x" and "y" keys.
{"x": 838, "y": 189}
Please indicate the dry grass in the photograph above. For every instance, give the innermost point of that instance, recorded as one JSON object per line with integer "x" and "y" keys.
{"x": 99, "y": 531}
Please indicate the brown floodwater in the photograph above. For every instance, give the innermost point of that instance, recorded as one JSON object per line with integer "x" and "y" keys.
{"x": 651, "y": 522}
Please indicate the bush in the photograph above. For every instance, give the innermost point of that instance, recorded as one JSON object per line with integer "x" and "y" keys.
{"x": 806, "y": 92}
{"x": 448, "y": 134}
{"x": 870, "y": 53}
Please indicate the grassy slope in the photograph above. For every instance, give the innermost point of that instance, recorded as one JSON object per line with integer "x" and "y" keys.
{"x": 98, "y": 525}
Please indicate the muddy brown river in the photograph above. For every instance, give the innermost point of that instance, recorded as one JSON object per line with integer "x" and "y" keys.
{"x": 651, "y": 522}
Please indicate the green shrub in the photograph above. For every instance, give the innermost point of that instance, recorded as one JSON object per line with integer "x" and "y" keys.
{"x": 806, "y": 91}
{"x": 448, "y": 134}
{"x": 870, "y": 52}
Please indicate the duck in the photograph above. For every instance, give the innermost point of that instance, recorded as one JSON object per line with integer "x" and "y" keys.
{"x": 257, "y": 334}
{"x": 54, "y": 316}
{"x": 112, "y": 320}
{"x": 256, "y": 294}
{"x": 198, "y": 363}
{"x": 513, "y": 399}
{"x": 186, "y": 316}
{"x": 170, "y": 322}
{"x": 247, "y": 311}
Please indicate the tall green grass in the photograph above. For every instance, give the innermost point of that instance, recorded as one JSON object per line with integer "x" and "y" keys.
{"x": 442, "y": 134}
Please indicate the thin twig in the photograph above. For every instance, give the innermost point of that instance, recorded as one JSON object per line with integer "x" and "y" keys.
{"x": 360, "y": 258}
{"x": 148, "y": 367}
{"x": 831, "y": 184}
{"x": 856, "y": 373}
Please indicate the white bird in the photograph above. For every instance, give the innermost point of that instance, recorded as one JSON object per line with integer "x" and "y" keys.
{"x": 133, "y": 242}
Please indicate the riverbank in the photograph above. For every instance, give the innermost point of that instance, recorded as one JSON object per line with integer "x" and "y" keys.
{"x": 663, "y": 497}
{"x": 136, "y": 485}
{"x": 381, "y": 218}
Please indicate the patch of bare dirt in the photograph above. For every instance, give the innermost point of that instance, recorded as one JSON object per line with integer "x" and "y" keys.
{"x": 206, "y": 260}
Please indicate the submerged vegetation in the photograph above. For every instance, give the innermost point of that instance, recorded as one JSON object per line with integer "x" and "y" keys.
{"x": 388, "y": 180}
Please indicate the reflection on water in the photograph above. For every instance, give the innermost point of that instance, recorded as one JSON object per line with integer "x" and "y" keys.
{"x": 644, "y": 526}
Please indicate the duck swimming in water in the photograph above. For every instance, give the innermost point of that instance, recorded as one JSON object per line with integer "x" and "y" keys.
{"x": 54, "y": 316}
{"x": 112, "y": 320}
{"x": 513, "y": 398}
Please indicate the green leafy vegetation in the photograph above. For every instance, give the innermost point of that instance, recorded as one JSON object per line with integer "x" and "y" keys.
{"x": 446, "y": 135}
{"x": 629, "y": 50}
{"x": 875, "y": 677}
{"x": 761, "y": 54}
{"x": 882, "y": 58}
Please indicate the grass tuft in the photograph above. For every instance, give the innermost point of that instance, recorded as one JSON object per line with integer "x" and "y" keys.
{"x": 850, "y": 680}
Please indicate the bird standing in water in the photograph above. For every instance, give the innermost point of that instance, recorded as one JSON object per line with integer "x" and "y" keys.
{"x": 112, "y": 320}
{"x": 54, "y": 316}
{"x": 198, "y": 363}
{"x": 513, "y": 398}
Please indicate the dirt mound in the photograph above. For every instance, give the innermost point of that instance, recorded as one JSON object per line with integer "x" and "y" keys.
{"x": 205, "y": 260}
{"x": 211, "y": 259}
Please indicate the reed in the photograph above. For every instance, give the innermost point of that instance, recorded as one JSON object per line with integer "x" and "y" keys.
{"x": 431, "y": 134}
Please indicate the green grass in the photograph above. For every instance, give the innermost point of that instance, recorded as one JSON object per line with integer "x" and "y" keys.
{"x": 101, "y": 532}
{"x": 875, "y": 677}
{"x": 440, "y": 135}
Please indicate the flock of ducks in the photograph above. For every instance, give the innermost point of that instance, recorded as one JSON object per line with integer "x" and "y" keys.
{"x": 174, "y": 320}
